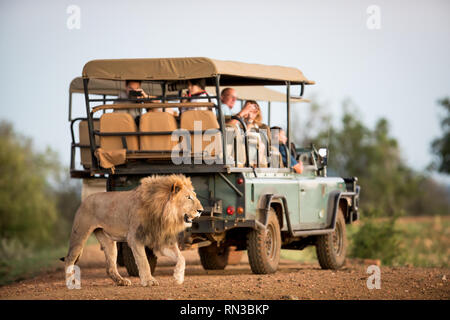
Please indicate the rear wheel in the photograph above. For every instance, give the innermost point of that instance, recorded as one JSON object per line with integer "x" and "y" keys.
{"x": 264, "y": 246}
{"x": 130, "y": 264}
{"x": 331, "y": 248}
{"x": 214, "y": 257}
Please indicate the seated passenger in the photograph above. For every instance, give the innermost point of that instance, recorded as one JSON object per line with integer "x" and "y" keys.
{"x": 250, "y": 114}
{"x": 282, "y": 140}
{"x": 196, "y": 90}
{"x": 228, "y": 99}
{"x": 133, "y": 90}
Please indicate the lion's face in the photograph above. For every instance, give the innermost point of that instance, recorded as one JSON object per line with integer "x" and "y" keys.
{"x": 191, "y": 206}
{"x": 168, "y": 204}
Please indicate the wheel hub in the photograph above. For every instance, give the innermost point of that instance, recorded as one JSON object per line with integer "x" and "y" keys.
{"x": 270, "y": 242}
{"x": 337, "y": 240}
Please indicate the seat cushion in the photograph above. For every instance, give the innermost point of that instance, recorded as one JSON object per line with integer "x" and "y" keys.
{"x": 85, "y": 153}
{"x": 209, "y": 144}
{"x": 118, "y": 122}
{"x": 157, "y": 121}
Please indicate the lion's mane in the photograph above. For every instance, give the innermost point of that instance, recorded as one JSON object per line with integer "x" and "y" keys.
{"x": 160, "y": 217}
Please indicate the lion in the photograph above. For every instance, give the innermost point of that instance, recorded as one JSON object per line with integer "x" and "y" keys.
{"x": 151, "y": 215}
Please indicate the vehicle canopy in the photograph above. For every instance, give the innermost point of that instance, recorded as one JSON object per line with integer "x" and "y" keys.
{"x": 107, "y": 77}
{"x": 230, "y": 72}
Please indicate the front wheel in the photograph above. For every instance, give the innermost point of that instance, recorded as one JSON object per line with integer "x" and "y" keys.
{"x": 264, "y": 246}
{"x": 331, "y": 248}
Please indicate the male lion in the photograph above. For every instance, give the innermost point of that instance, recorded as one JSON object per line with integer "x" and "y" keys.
{"x": 151, "y": 215}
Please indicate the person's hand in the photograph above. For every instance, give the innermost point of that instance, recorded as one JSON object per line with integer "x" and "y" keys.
{"x": 298, "y": 168}
{"x": 248, "y": 111}
{"x": 143, "y": 94}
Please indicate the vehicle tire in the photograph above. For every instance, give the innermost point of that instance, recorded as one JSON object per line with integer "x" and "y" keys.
{"x": 331, "y": 248}
{"x": 264, "y": 246}
{"x": 214, "y": 257}
{"x": 130, "y": 264}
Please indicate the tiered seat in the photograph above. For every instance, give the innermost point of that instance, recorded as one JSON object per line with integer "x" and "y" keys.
{"x": 114, "y": 150}
{"x": 154, "y": 122}
{"x": 118, "y": 122}
{"x": 85, "y": 153}
{"x": 257, "y": 146}
{"x": 209, "y": 145}
{"x": 235, "y": 140}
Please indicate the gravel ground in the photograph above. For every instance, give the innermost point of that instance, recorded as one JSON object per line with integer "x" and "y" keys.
{"x": 293, "y": 281}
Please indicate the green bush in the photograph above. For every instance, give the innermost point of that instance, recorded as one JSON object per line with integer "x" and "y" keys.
{"x": 27, "y": 212}
{"x": 377, "y": 239}
{"x": 37, "y": 204}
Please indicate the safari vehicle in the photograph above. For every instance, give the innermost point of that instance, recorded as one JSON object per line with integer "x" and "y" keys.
{"x": 250, "y": 199}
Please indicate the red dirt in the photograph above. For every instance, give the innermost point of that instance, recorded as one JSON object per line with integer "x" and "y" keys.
{"x": 292, "y": 281}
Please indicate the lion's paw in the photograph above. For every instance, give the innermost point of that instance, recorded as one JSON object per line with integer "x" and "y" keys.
{"x": 124, "y": 282}
{"x": 150, "y": 283}
{"x": 179, "y": 278}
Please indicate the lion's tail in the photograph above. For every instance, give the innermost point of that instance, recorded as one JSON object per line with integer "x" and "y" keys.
{"x": 62, "y": 259}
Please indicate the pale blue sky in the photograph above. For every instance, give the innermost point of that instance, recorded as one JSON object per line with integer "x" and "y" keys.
{"x": 397, "y": 72}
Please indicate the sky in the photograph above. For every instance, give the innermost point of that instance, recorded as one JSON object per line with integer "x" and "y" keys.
{"x": 397, "y": 71}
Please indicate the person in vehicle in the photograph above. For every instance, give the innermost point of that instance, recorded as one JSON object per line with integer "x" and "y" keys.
{"x": 228, "y": 99}
{"x": 250, "y": 114}
{"x": 282, "y": 140}
{"x": 196, "y": 91}
{"x": 133, "y": 90}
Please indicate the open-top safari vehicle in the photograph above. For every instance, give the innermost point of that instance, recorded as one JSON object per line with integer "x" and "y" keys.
{"x": 251, "y": 200}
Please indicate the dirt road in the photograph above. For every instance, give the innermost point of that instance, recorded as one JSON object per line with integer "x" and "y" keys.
{"x": 292, "y": 281}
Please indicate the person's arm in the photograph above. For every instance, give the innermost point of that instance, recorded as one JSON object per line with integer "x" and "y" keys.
{"x": 283, "y": 154}
{"x": 144, "y": 94}
{"x": 241, "y": 114}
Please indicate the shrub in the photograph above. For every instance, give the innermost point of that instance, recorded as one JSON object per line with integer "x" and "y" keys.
{"x": 377, "y": 239}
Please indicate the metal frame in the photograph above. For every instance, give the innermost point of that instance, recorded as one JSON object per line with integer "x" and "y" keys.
{"x": 221, "y": 119}
{"x": 288, "y": 123}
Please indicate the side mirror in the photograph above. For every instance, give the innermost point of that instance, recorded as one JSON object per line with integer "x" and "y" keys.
{"x": 323, "y": 153}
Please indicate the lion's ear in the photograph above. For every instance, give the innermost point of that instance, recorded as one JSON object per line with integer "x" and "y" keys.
{"x": 176, "y": 187}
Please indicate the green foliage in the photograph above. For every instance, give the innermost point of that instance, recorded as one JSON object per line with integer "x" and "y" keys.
{"x": 441, "y": 146}
{"x": 388, "y": 185}
{"x": 18, "y": 261}
{"x": 37, "y": 205}
{"x": 67, "y": 198}
{"x": 27, "y": 211}
{"x": 377, "y": 239}
{"x": 38, "y": 200}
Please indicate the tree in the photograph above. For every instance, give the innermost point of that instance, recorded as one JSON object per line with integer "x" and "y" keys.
{"x": 441, "y": 146}
{"x": 388, "y": 186}
{"x": 32, "y": 210}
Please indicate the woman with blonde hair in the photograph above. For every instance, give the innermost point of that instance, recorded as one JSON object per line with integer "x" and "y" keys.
{"x": 250, "y": 114}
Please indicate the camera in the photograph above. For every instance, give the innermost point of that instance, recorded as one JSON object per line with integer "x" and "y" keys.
{"x": 134, "y": 93}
